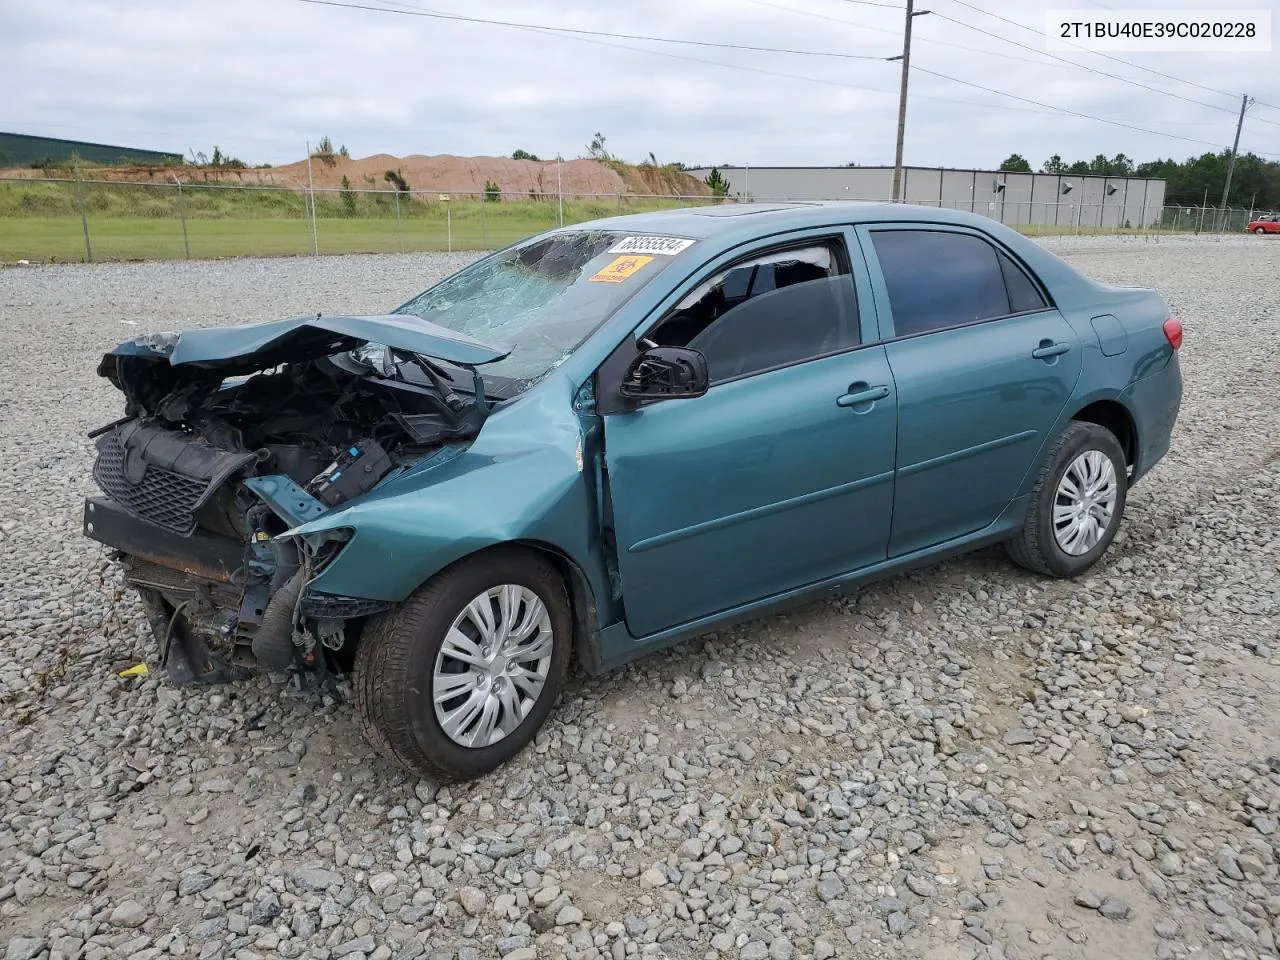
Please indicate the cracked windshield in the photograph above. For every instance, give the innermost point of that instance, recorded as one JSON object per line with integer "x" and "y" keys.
{"x": 540, "y": 298}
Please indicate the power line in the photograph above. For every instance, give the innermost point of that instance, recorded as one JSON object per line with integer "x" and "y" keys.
{"x": 1081, "y": 66}
{"x": 1060, "y": 61}
{"x": 434, "y": 15}
{"x": 892, "y": 33}
{"x": 404, "y": 8}
{"x": 1107, "y": 56}
{"x": 594, "y": 36}
{"x": 1069, "y": 112}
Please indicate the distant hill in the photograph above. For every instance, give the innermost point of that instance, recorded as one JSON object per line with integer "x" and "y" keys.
{"x": 444, "y": 173}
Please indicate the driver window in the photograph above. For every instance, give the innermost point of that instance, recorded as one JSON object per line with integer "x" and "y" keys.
{"x": 770, "y": 311}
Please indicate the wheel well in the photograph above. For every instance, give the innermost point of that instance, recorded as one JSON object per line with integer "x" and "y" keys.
{"x": 1114, "y": 417}
{"x": 581, "y": 599}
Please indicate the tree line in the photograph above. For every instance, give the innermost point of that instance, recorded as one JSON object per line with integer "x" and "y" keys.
{"x": 1255, "y": 181}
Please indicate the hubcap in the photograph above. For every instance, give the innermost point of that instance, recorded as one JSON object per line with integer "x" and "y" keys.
{"x": 492, "y": 666}
{"x": 1085, "y": 503}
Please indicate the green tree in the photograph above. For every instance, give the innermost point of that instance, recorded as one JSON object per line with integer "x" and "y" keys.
{"x": 1054, "y": 165}
{"x": 348, "y": 197}
{"x": 397, "y": 180}
{"x": 1015, "y": 163}
{"x": 596, "y": 148}
{"x": 324, "y": 152}
{"x": 716, "y": 181}
{"x": 492, "y": 192}
{"x": 523, "y": 155}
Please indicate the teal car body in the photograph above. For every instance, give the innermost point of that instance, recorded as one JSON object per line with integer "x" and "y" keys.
{"x": 674, "y": 517}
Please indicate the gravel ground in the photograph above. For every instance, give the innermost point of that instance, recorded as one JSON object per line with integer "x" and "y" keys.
{"x": 968, "y": 761}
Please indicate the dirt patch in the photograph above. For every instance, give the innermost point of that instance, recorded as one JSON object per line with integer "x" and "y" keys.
{"x": 443, "y": 173}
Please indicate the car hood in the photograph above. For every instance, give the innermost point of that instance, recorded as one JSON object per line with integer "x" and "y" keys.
{"x": 245, "y": 348}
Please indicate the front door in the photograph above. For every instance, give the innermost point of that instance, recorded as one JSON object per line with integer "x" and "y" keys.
{"x": 984, "y": 366}
{"x": 782, "y": 474}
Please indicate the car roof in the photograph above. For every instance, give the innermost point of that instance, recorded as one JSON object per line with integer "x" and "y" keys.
{"x": 754, "y": 219}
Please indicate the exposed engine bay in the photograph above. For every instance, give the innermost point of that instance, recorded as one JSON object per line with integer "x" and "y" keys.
{"x": 218, "y": 456}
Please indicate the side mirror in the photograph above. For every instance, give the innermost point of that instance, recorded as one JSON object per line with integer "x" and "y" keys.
{"x": 664, "y": 373}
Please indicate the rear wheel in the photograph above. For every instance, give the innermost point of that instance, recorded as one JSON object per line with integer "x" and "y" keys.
{"x": 1076, "y": 504}
{"x": 458, "y": 678}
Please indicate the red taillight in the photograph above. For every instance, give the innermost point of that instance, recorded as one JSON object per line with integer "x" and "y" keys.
{"x": 1173, "y": 332}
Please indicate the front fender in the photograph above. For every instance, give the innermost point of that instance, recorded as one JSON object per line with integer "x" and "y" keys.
{"x": 522, "y": 479}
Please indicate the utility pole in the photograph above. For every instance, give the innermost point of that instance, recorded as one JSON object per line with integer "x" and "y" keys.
{"x": 905, "y": 57}
{"x": 1245, "y": 100}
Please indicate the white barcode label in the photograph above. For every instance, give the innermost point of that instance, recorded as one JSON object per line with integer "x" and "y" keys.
{"x": 667, "y": 246}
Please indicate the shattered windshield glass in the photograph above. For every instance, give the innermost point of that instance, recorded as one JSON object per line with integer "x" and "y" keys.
{"x": 543, "y": 297}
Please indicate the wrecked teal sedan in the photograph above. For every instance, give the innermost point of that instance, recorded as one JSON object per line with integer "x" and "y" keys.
{"x": 614, "y": 436}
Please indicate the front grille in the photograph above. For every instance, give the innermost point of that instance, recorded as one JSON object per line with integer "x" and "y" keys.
{"x": 162, "y": 497}
{"x": 329, "y": 606}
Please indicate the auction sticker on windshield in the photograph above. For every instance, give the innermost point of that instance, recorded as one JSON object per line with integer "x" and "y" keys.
{"x": 667, "y": 246}
{"x": 620, "y": 268}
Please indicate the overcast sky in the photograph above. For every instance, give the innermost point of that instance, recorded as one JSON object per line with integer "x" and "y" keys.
{"x": 260, "y": 77}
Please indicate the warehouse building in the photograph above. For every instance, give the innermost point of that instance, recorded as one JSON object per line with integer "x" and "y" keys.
{"x": 1043, "y": 199}
{"x": 23, "y": 150}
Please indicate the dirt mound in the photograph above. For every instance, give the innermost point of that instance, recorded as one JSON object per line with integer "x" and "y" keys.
{"x": 444, "y": 173}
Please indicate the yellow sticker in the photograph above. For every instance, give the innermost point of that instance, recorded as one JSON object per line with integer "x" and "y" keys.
{"x": 137, "y": 670}
{"x": 621, "y": 268}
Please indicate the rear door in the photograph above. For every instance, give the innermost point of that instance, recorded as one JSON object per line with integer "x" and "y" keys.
{"x": 984, "y": 366}
{"x": 781, "y": 474}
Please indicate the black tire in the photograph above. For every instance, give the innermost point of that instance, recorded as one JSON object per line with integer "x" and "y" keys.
{"x": 1259, "y": 231}
{"x": 1036, "y": 547}
{"x": 396, "y": 658}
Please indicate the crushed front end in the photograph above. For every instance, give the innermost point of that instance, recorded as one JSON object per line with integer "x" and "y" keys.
{"x": 230, "y": 442}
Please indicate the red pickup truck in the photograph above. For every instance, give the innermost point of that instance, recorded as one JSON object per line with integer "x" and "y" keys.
{"x": 1264, "y": 224}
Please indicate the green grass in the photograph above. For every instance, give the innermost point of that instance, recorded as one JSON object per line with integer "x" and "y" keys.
{"x": 118, "y": 238}
{"x": 41, "y": 222}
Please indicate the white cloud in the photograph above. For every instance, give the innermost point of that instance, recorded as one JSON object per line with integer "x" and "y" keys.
{"x": 260, "y": 77}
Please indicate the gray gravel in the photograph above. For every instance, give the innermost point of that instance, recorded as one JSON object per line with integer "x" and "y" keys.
{"x": 966, "y": 761}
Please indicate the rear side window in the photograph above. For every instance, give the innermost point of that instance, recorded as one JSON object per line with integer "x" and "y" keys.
{"x": 1024, "y": 296}
{"x": 937, "y": 280}
{"x": 770, "y": 311}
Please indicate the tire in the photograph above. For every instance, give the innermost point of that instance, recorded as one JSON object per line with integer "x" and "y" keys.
{"x": 399, "y": 663}
{"x": 1038, "y": 546}
{"x": 1259, "y": 231}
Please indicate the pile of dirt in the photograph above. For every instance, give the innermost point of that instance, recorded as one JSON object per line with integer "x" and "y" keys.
{"x": 444, "y": 173}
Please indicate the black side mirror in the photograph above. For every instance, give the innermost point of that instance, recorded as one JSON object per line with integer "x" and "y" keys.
{"x": 664, "y": 373}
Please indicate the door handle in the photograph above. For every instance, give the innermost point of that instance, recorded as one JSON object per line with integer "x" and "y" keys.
{"x": 861, "y": 393}
{"x": 1048, "y": 349}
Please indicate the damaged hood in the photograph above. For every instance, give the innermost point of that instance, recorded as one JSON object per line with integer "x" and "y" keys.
{"x": 249, "y": 347}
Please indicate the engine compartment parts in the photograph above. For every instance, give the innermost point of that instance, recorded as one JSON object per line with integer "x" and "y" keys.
{"x": 224, "y": 448}
{"x": 357, "y": 470}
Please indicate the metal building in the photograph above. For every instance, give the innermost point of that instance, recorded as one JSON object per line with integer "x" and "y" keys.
{"x": 21, "y": 150}
{"x": 1043, "y": 199}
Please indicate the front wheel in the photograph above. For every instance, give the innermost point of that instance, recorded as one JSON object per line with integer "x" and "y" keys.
{"x": 1076, "y": 503}
{"x": 1259, "y": 231}
{"x": 458, "y": 679}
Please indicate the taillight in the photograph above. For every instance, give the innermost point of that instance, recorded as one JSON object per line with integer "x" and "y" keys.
{"x": 1173, "y": 332}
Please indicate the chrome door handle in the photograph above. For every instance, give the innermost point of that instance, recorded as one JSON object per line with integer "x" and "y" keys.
{"x": 1048, "y": 349}
{"x": 862, "y": 394}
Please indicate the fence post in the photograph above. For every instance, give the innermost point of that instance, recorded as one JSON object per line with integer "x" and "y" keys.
{"x": 84, "y": 217}
{"x": 448, "y": 224}
{"x": 182, "y": 212}
{"x": 315, "y": 242}
{"x": 484, "y": 218}
{"x": 399, "y": 235}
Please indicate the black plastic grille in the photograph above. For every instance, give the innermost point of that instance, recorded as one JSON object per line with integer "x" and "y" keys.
{"x": 163, "y": 497}
{"x": 328, "y": 606}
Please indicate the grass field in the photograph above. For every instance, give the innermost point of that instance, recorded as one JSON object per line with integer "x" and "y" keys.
{"x": 118, "y": 238}
{"x": 41, "y": 221}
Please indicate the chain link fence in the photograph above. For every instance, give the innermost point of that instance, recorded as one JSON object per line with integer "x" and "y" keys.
{"x": 50, "y": 220}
